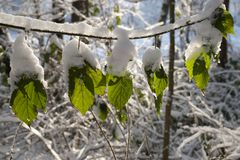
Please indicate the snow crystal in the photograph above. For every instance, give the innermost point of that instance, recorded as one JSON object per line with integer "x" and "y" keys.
{"x": 123, "y": 52}
{"x": 23, "y": 61}
{"x": 74, "y": 54}
{"x": 152, "y": 58}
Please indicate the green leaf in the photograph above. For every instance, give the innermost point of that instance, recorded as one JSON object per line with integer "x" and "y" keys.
{"x": 81, "y": 89}
{"x": 224, "y": 22}
{"x": 150, "y": 78}
{"x": 99, "y": 80}
{"x": 189, "y": 63}
{"x": 158, "y": 103}
{"x": 122, "y": 115}
{"x": 119, "y": 90}
{"x": 101, "y": 110}
{"x": 160, "y": 84}
{"x": 96, "y": 11}
{"x": 29, "y": 97}
{"x": 160, "y": 81}
{"x": 118, "y": 20}
{"x": 198, "y": 66}
{"x": 200, "y": 73}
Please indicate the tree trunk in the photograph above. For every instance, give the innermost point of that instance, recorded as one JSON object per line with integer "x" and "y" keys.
{"x": 223, "y": 53}
{"x": 170, "y": 85}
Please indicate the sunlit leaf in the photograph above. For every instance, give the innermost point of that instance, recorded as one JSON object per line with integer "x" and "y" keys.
{"x": 224, "y": 22}
{"x": 119, "y": 90}
{"x": 29, "y": 97}
{"x": 200, "y": 73}
{"x": 158, "y": 82}
{"x": 99, "y": 80}
{"x": 198, "y": 67}
{"x": 81, "y": 89}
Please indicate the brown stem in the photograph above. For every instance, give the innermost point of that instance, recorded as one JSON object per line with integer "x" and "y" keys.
{"x": 170, "y": 85}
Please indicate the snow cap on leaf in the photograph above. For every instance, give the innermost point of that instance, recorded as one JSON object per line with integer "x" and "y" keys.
{"x": 152, "y": 58}
{"x": 23, "y": 61}
{"x": 76, "y": 54}
{"x": 123, "y": 52}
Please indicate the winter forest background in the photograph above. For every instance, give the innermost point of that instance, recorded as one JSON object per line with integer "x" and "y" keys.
{"x": 203, "y": 126}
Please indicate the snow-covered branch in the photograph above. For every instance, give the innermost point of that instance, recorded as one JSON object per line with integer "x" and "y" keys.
{"x": 85, "y": 30}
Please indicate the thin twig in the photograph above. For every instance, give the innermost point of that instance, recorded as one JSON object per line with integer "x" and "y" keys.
{"x": 129, "y": 135}
{"x": 99, "y": 126}
{"x": 65, "y": 139}
{"x": 45, "y": 141}
{"x": 118, "y": 123}
{"x": 14, "y": 141}
{"x": 147, "y": 144}
{"x": 120, "y": 127}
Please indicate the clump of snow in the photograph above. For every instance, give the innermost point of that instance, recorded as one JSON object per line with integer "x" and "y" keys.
{"x": 210, "y": 35}
{"x": 152, "y": 58}
{"x": 194, "y": 48}
{"x": 123, "y": 52}
{"x": 207, "y": 34}
{"x": 23, "y": 61}
{"x": 76, "y": 54}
